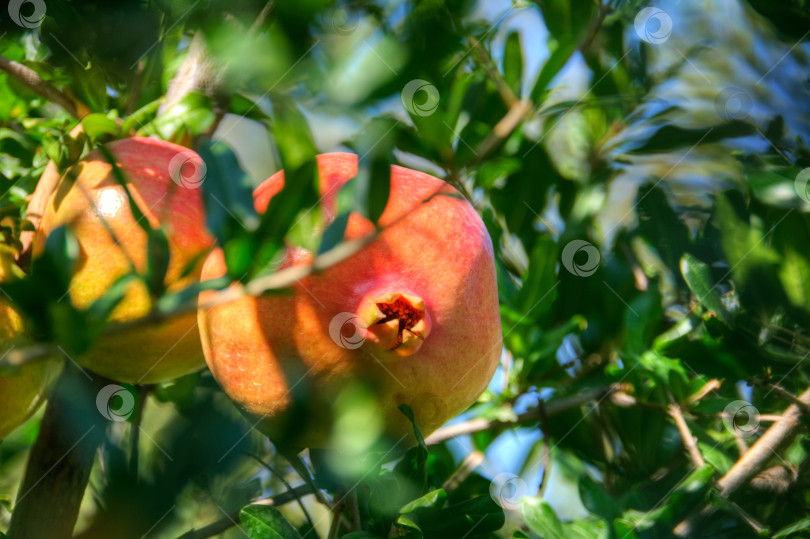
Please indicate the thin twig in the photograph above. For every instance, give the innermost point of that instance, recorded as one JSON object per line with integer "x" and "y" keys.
{"x": 518, "y": 111}
{"x": 197, "y": 72}
{"x": 286, "y": 484}
{"x": 218, "y": 527}
{"x": 546, "y": 451}
{"x": 261, "y": 17}
{"x": 790, "y": 397}
{"x": 748, "y": 519}
{"x": 689, "y": 443}
{"x": 467, "y": 466}
{"x": 552, "y": 408}
{"x": 35, "y": 83}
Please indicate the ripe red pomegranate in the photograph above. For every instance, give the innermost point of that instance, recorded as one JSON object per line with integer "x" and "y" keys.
{"x": 163, "y": 179}
{"x": 415, "y": 313}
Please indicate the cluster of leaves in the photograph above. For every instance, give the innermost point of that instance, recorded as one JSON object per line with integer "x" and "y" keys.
{"x": 680, "y": 305}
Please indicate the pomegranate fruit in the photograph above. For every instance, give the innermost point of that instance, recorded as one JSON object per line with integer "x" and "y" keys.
{"x": 415, "y": 314}
{"x": 162, "y": 179}
{"x": 24, "y": 389}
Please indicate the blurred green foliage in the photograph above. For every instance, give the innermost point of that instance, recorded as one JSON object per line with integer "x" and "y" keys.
{"x": 642, "y": 176}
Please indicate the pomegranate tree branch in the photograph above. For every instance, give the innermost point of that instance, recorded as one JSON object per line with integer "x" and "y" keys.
{"x": 35, "y": 83}
{"x": 753, "y": 461}
{"x": 60, "y": 462}
{"x": 535, "y": 414}
{"x": 518, "y": 111}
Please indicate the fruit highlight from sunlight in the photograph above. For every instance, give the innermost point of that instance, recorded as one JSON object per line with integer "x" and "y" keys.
{"x": 162, "y": 180}
{"x": 414, "y": 314}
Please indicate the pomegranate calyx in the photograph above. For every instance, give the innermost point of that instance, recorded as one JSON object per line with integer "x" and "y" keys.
{"x": 395, "y": 321}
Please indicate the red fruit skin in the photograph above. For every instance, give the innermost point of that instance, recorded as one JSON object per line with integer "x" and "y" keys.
{"x": 263, "y": 351}
{"x": 95, "y": 201}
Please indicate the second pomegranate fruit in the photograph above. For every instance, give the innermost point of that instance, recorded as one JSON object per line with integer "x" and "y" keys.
{"x": 162, "y": 180}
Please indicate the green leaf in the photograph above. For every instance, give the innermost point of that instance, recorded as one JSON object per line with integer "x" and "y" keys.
{"x": 158, "y": 263}
{"x": 798, "y": 526}
{"x": 513, "y": 62}
{"x": 298, "y": 195}
{"x": 791, "y": 239}
{"x": 374, "y": 191}
{"x": 334, "y": 233}
{"x": 624, "y": 528}
{"x": 172, "y": 301}
{"x": 39, "y": 297}
{"x": 266, "y": 522}
{"x": 539, "y": 290}
{"x": 542, "y": 519}
{"x": 480, "y": 514}
{"x": 238, "y": 253}
{"x": 427, "y": 505}
{"x": 406, "y": 410}
{"x": 227, "y": 191}
{"x": 140, "y": 116}
{"x": 411, "y": 524}
{"x": 749, "y": 255}
{"x": 661, "y": 226}
{"x": 292, "y": 134}
{"x": 691, "y": 491}
{"x": 193, "y": 113}
{"x": 715, "y": 456}
{"x": 553, "y": 65}
{"x": 243, "y": 106}
{"x": 416, "y": 458}
{"x": 698, "y": 278}
{"x": 101, "y": 309}
{"x": 670, "y": 137}
{"x": 373, "y": 181}
{"x": 98, "y": 124}
{"x": 596, "y": 500}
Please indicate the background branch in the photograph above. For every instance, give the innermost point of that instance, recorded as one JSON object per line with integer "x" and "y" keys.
{"x": 35, "y": 83}
{"x": 753, "y": 461}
